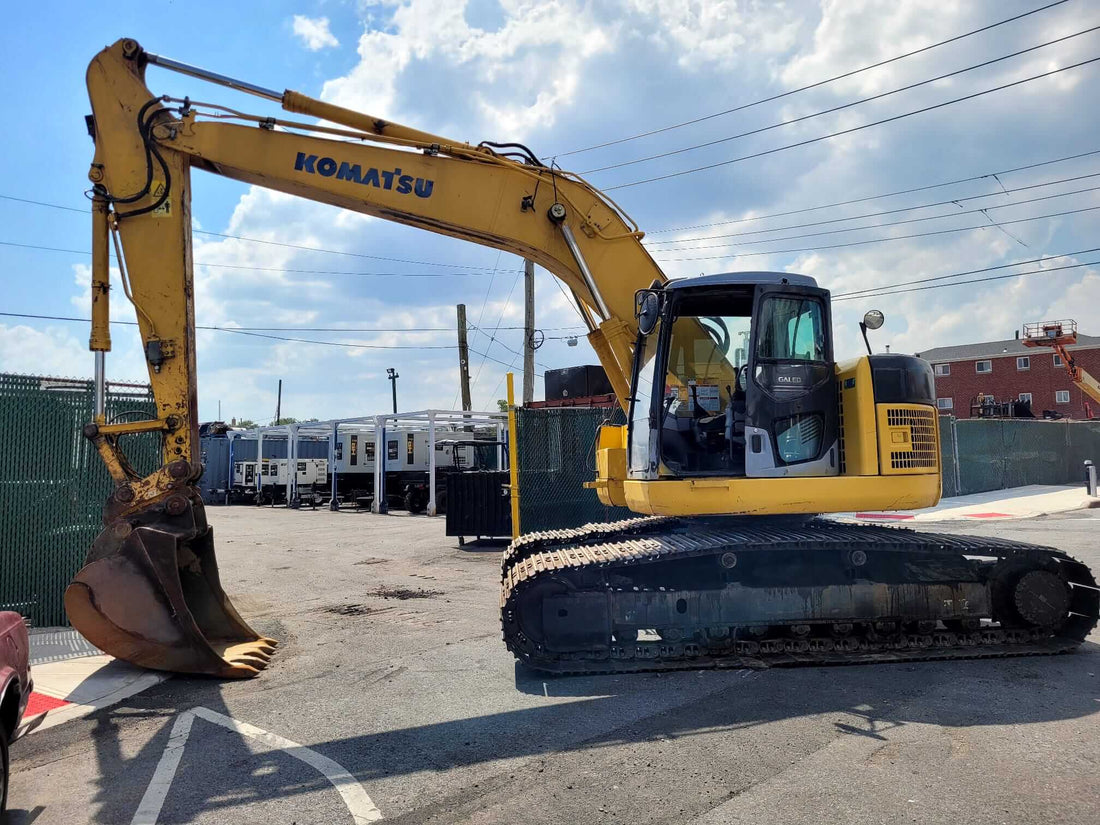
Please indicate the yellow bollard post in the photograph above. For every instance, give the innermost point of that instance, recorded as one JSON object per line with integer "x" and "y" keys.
{"x": 513, "y": 456}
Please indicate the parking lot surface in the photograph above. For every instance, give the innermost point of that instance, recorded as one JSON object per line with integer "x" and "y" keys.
{"x": 393, "y": 697}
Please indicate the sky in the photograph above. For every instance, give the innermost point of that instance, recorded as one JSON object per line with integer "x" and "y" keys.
{"x": 562, "y": 76}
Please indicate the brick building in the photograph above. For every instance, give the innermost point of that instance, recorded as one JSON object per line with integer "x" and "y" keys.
{"x": 1009, "y": 371}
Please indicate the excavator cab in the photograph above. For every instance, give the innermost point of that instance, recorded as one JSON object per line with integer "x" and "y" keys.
{"x": 734, "y": 377}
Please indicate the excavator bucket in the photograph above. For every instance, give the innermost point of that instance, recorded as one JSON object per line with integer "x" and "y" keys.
{"x": 149, "y": 594}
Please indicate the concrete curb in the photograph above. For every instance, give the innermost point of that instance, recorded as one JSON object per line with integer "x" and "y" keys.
{"x": 1020, "y": 503}
{"x": 73, "y": 679}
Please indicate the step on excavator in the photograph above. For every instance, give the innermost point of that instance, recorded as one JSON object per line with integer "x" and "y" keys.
{"x": 742, "y": 426}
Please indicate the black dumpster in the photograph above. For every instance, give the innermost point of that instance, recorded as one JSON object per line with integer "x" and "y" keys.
{"x": 478, "y": 505}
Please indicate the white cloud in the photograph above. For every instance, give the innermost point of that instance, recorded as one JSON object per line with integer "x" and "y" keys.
{"x": 51, "y": 351}
{"x": 314, "y": 32}
{"x": 717, "y": 34}
{"x": 519, "y": 76}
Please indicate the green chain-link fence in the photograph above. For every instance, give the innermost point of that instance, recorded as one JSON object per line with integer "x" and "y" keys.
{"x": 557, "y": 454}
{"x": 53, "y": 485}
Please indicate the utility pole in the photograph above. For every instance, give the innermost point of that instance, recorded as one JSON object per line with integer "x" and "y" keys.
{"x": 463, "y": 358}
{"x": 279, "y": 402}
{"x": 391, "y": 373}
{"x": 528, "y": 331}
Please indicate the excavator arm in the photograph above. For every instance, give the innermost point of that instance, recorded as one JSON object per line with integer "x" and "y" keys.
{"x": 145, "y": 148}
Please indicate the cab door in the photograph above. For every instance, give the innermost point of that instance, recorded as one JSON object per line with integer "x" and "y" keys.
{"x": 791, "y": 426}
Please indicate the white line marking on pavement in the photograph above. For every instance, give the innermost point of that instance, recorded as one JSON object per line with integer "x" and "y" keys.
{"x": 359, "y": 805}
{"x": 153, "y": 800}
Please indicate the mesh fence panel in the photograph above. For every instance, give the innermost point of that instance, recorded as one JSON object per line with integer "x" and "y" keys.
{"x": 557, "y": 454}
{"x": 53, "y": 485}
{"x": 1000, "y": 454}
{"x": 947, "y": 456}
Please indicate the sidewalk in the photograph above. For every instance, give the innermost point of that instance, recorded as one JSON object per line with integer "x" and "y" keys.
{"x": 72, "y": 678}
{"x": 1019, "y": 502}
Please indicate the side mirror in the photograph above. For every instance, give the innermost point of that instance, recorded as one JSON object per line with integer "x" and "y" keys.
{"x": 872, "y": 320}
{"x": 647, "y": 309}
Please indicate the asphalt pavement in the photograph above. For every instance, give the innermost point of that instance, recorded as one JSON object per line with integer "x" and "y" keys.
{"x": 392, "y": 696}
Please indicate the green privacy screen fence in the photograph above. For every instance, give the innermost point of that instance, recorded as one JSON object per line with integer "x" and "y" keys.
{"x": 983, "y": 455}
{"x": 53, "y": 484}
{"x": 557, "y": 455}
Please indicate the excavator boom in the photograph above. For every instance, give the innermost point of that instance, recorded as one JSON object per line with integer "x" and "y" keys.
{"x": 739, "y": 414}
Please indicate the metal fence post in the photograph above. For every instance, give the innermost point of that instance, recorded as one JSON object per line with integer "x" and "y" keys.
{"x": 955, "y": 455}
{"x": 513, "y": 455}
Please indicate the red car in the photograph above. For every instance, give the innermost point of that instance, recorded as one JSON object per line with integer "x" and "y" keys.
{"x": 15, "y": 687}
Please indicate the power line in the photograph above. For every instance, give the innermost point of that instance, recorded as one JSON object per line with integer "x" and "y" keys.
{"x": 337, "y": 251}
{"x": 873, "y": 197}
{"x": 345, "y": 344}
{"x": 983, "y": 210}
{"x": 851, "y": 130}
{"x": 955, "y": 201}
{"x": 883, "y": 240}
{"x": 263, "y": 240}
{"x": 811, "y": 85}
{"x": 492, "y": 337}
{"x": 290, "y": 270}
{"x": 856, "y": 293}
{"x": 971, "y": 281}
{"x": 833, "y": 109}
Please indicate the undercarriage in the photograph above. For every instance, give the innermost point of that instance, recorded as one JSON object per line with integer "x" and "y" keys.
{"x": 660, "y": 593}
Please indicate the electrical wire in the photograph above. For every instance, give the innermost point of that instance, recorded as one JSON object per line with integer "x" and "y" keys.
{"x": 259, "y": 240}
{"x": 337, "y": 251}
{"x": 492, "y": 338}
{"x": 982, "y": 210}
{"x": 833, "y": 109}
{"x": 881, "y": 240}
{"x": 869, "y": 197}
{"x": 856, "y": 293}
{"x": 955, "y": 201}
{"x": 345, "y": 344}
{"x": 290, "y": 270}
{"x": 814, "y": 85}
{"x": 886, "y": 291}
{"x": 278, "y": 329}
{"x": 851, "y": 130}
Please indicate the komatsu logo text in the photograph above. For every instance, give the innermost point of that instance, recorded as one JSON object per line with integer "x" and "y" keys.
{"x": 378, "y": 178}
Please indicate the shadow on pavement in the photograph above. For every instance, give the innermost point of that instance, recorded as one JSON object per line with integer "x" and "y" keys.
{"x": 608, "y": 711}
{"x": 484, "y": 545}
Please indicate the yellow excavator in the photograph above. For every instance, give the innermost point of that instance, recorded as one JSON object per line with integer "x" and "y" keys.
{"x": 742, "y": 425}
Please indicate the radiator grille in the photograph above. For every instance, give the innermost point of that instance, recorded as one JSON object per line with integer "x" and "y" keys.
{"x": 922, "y": 438}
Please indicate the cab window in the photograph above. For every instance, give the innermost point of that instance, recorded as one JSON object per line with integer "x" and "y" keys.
{"x": 791, "y": 329}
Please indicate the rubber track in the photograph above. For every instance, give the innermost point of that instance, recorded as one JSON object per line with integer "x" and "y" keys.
{"x": 645, "y": 540}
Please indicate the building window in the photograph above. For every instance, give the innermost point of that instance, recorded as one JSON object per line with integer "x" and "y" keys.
{"x": 945, "y": 403}
{"x": 943, "y": 369}
{"x": 1024, "y": 396}
{"x": 1057, "y": 360}
{"x": 983, "y": 366}
{"x": 1023, "y": 362}
{"x": 1061, "y": 397}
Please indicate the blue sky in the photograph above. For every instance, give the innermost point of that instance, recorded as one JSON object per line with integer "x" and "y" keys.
{"x": 561, "y": 76}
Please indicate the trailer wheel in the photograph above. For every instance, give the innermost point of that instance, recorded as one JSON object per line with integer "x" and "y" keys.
{"x": 414, "y": 501}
